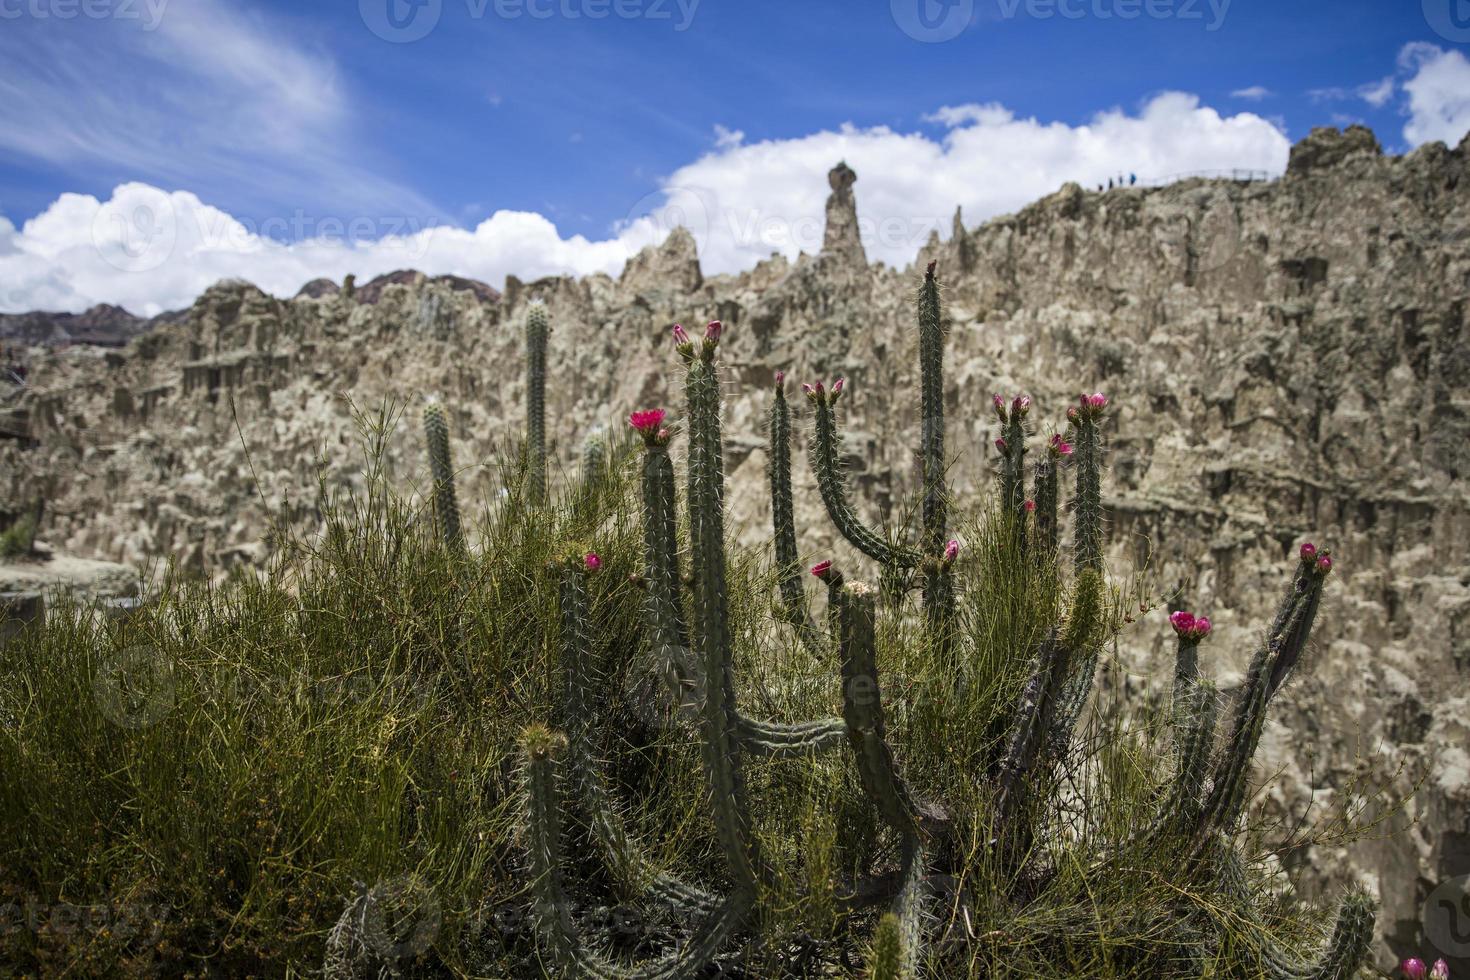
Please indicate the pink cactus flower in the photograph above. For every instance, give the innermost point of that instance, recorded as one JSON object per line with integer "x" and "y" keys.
{"x": 837, "y": 386}
{"x": 713, "y": 331}
{"x": 1072, "y": 414}
{"x": 1441, "y": 970}
{"x": 1002, "y": 445}
{"x": 681, "y": 336}
{"x": 1324, "y": 565}
{"x": 951, "y": 550}
{"x": 1097, "y": 401}
{"x": 1309, "y": 551}
{"x": 663, "y": 435}
{"x": 1030, "y": 506}
{"x": 780, "y": 377}
{"x": 822, "y": 569}
{"x": 591, "y": 562}
{"x": 1000, "y": 406}
{"x": 1413, "y": 968}
{"x": 808, "y": 388}
{"x": 1060, "y": 446}
{"x": 1189, "y": 626}
{"x": 1021, "y": 404}
{"x": 647, "y": 422}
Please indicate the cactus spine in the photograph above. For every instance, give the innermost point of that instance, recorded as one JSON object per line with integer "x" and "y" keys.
{"x": 537, "y": 329}
{"x": 446, "y": 505}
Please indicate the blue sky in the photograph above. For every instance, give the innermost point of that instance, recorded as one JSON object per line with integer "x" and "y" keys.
{"x": 278, "y": 122}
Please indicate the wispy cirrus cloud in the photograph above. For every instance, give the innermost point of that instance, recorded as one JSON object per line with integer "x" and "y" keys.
{"x": 205, "y": 95}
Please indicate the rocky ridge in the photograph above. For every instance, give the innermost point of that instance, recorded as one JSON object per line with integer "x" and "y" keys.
{"x": 1291, "y": 360}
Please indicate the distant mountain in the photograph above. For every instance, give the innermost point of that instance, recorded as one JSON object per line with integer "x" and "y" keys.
{"x": 103, "y": 325}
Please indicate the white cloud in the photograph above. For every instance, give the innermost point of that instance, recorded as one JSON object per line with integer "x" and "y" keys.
{"x": 1377, "y": 93}
{"x": 149, "y": 251}
{"x": 1439, "y": 94}
{"x": 1254, "y": 93}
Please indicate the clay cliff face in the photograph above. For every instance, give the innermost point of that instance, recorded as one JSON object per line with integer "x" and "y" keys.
{"x": 1290, "y": 360}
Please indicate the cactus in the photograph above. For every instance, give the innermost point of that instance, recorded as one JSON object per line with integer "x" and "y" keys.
{"x": 1199, "y": 809}
{"x": 446, "y": 505}
{"x": 1087, "y": 503}
{"x": 537, "y": 330}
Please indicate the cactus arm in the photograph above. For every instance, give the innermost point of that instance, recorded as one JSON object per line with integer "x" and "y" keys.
{"x": 1087, "y": 497}
{"x": 1044, "y": 492}
{"x": 621, "y": 853}
{"x": 1195, "y": 736}
{"x": 833, "y": 486}
{"x": 665, "y": 607}
{"x": 778, "y": 741}
{"x": 792, "y": 602}
{"x": 1028, "y": 728}
{"x": 536, "y": 334}
{"x": 446, "y": 505}
{"x": 1342, "y": 954}
{"x": 931, "y": 407}
{"x": 570, "y": 957}
{"x": 1082, "y": 642}
{"x": 719, "y": 743}
{"x": 862, "y": 710}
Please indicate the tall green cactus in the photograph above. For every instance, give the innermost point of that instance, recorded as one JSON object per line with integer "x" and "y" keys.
{"x": 537, "y": 331}
{"x": 792, "y": 599}
{"x": 1199, "y": 810}
{"x": 446, "y": 505}
{"x": 1087, "y": 504}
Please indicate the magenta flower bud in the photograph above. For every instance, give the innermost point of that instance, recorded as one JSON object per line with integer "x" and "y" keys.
{"x": 1097, "y": 400}
{"x": 1072, "y": 414}
{"x": 1324, "y": 565}
{"x": 1001, "y": 445}
{"x": 808, "y": 388}
{"x": 822, "y": 569}
{"x": 837, "y": 386}
{"x": 1060, "y": 447}
{"x": 780, "y": 377}
{"x": 591, "y": 562}
{"x": 1020, "y": 404}
{"x": 1030, "y": 506}
{"x": 1183, "y": 622}
{"x": 1202, "y": 626}
{"x": 1000, "y": 406}
{"x": 1309, "y": 551}
{"x": 713, "y": 331}
{"x": 1413, "y": 968}
{"x": 819, "y": 389}
{"x": 663, "y": 435}
{"x": 1441, "y": 970}
{"x": 681, "y": 336}
{"x": 951, "y": 550}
